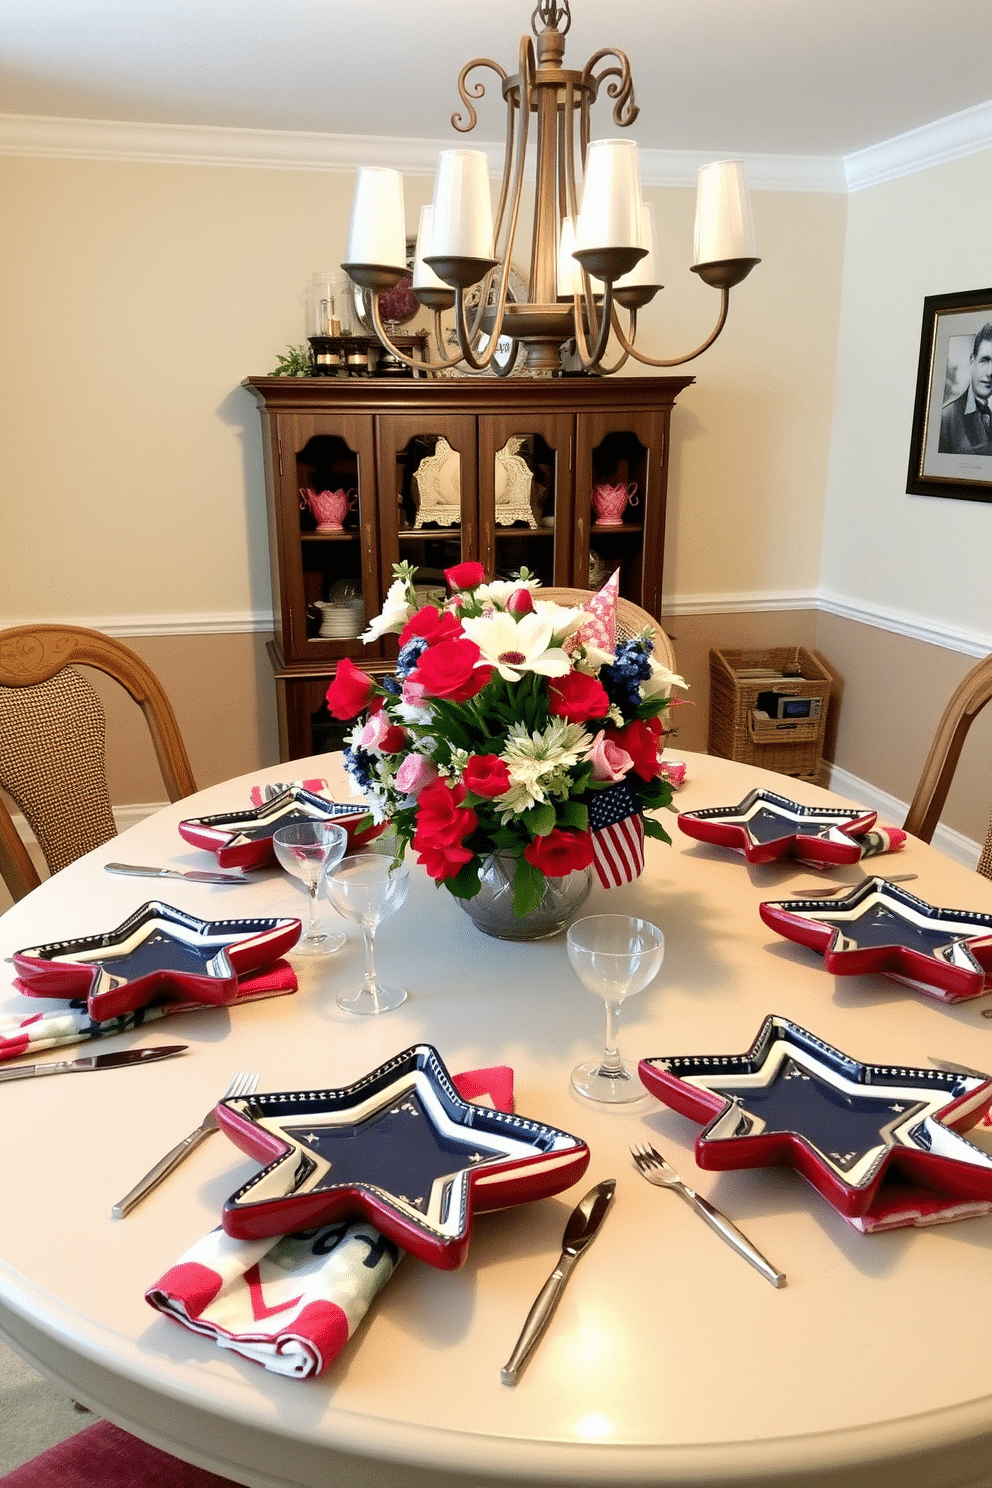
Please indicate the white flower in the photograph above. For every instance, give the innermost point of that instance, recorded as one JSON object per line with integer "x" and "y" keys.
{"x": 517, "y": 646}
{"x": 661, "y": 681}
{"x": 566, "y": 619}
{"x": 395, "y": 612}
{"x": 499, "y": 591}
{"x": 539, "y": 763}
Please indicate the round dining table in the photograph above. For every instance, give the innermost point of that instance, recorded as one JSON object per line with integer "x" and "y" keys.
{"x": 669, "y": 1359}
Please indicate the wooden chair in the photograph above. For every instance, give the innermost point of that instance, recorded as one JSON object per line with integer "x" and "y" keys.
{"x": 966, "y": 703}
{"x": 631, "y": 620}
{"x": 52, "y": 743}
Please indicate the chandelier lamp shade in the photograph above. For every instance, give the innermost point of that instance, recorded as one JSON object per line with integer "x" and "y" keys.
{"x": 593, "y": 253}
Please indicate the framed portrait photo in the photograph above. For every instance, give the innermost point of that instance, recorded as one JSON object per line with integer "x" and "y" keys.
{"x": 951, "y": 445}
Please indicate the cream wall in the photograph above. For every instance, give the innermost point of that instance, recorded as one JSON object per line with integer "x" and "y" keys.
{"x": 921, "y": 566}
{"x": 929, "y": 558}
{"x": 135, "y": 298}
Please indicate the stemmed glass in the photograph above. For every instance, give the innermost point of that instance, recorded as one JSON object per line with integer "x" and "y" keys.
{"x": 366, "y": 889}
{"x": 306, "y": 849}
{"x": 614, "y": 956}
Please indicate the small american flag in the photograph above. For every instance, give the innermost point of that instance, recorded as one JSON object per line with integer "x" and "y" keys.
{"x": 617, "y": 828}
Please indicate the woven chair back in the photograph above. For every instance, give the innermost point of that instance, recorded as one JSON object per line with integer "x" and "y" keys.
{"x": 968, "y": 700}
{"x": 631, "y": 620}
{"x": 53, "y": 764}
{"x": 52, "y": 743}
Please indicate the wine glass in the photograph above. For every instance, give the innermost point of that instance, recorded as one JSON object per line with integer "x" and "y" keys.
{"x": 614, "y": 956}
{"x": 306, "y": 849}
{"x": 366, "y": 888}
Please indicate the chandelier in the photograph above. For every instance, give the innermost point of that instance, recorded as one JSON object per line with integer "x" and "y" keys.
{"x": 593, "y": 254}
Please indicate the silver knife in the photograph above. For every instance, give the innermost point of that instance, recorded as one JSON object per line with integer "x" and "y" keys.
{"x": 139, "y": 871}
{"x": 94, "y": 1062}
{"x": 583, "y": 1224}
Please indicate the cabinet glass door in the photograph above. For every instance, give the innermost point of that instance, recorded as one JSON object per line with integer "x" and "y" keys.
{"x": 330, "y": 580}
{"x": 525, "y": 495}
{"x": 428, "y": 499}
{"x": 619, "y": 503}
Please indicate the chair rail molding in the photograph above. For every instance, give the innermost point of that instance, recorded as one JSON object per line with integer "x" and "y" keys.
{"x": 892, "y": 811}
{"x": 260, "y": 622}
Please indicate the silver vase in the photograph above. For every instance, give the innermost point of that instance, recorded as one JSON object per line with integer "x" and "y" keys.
{"x": 492, "y": 908}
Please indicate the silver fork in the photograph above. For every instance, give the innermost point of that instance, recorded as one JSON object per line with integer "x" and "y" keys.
{"x": 243, "y": 1083}
{"x": 656, "y": 1170}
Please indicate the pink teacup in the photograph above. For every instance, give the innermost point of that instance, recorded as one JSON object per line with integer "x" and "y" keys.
{"x": 610, "y": 502}
{"x": 329, "y": 507}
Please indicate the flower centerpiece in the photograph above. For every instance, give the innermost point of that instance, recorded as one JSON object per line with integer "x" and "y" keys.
{"x": 514, "y": 732}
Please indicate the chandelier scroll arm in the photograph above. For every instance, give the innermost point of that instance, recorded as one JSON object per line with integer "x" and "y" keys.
{"x": 402, "y": 356}
{"x": 601, "y": 324}
{"x": 625, "y": 110}
{"x": 477, "y": 90}
{"x": 626, "y": 341}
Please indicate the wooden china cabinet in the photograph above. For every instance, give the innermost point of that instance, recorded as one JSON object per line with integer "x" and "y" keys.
{"x": 440, "y": 471}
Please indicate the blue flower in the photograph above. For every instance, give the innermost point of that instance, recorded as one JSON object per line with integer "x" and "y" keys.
{"x": 409, "y": 655}
{"x": 359, "y": 765}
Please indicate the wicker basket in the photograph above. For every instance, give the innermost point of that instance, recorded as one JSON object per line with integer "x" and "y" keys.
{"x": 790, "y": 746}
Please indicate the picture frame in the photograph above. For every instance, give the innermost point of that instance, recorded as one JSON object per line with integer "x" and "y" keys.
{"x": 950, "y": 451}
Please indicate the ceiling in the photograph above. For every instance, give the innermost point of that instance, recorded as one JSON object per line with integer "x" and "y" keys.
{"x": 790, "y": 77}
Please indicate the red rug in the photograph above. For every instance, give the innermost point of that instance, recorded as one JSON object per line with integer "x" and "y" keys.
{"x": 104, "y": 1456}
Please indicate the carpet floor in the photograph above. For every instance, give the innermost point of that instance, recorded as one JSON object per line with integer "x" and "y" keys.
{"x": 34, "y": 1414}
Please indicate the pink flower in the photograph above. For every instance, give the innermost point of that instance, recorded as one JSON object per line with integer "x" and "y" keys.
{"x": 415, "y": 773}
{"x": 380, "y": 734}
{"x": 608, "y": 760}
{"x": 414, "y": 693}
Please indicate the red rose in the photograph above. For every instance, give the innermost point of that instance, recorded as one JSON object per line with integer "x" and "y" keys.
{"x": 577, "y": 697}
{"x": 350, "y": 692}
{"x": 641, "y": 741}
{"x": 448, "y": 670}
{"x": 442, "y": 824}
{"x": 486, "y": 775}
{"x": 432, "y": 625}
{"x": 559, "y": 852}
{"x": 441, "y": 859}
{"x": 520, "y": 602}
{"x": 465, "y": 576}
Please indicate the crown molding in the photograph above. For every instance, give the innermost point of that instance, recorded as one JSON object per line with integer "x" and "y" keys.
{"x": 950, "y": 138}
{"x": 190, "y": 144}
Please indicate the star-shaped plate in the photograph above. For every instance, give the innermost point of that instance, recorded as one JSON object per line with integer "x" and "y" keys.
{"x": 243, "y": 839}
{"x": 879, "y": 926}
{"x": 881, "y": 1143}
{"x": 399, "y": 1147}
{"x": 159, "y": 954}
{"x": 766, "y": 826}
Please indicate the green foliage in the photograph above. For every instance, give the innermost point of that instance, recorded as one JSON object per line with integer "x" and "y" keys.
{"x": 296, "y": 361}
{"x": 528, "y": 888}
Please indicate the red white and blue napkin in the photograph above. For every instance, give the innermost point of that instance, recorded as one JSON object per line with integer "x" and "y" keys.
{"x": 72, "y": 1024}
{"x": 292, "y": 1303}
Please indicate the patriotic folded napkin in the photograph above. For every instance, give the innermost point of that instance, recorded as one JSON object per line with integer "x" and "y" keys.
{"x": 882, "y": 840}
{"x": 262, "y": 793}
{"x": 291, "y": 1303}
{"x": 72, "y": 1024}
